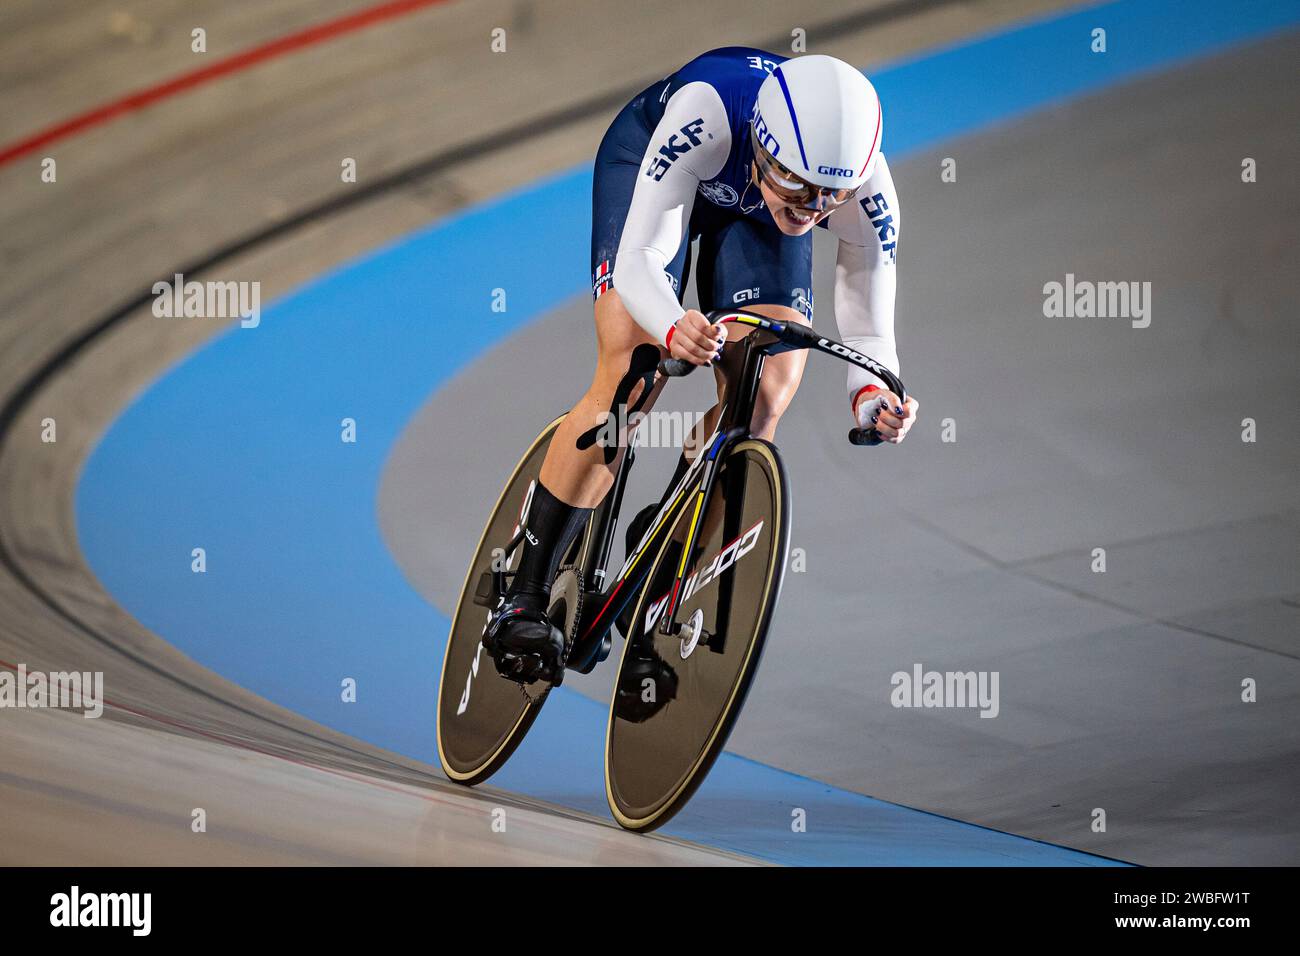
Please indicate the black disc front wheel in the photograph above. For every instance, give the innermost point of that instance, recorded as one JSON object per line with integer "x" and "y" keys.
{"x": 676, "y": 698}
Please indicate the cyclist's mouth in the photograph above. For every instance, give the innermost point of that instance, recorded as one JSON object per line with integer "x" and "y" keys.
{"x": 798, "y": 217}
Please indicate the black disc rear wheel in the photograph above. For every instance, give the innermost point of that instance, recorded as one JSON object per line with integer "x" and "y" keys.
{"x": 482, "y": 716}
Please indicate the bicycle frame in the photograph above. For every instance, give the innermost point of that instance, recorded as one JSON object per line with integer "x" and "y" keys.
{"x": 742, "y": 369}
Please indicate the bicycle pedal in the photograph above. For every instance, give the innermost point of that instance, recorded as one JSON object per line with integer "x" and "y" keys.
{"x": 526, "y": 668}
{"x": 520, "y": 668}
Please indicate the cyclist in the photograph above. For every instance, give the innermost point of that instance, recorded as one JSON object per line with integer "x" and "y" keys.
{"x": 745, "y": 151}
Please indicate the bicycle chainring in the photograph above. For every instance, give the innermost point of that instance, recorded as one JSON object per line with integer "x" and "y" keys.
{"x": 565, "y": 613}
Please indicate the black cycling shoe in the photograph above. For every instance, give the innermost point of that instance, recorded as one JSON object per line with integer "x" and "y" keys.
{"x": 524, "y": 645}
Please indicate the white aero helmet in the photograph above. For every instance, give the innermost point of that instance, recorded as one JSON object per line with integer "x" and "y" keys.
{"x": 819, "y": 119}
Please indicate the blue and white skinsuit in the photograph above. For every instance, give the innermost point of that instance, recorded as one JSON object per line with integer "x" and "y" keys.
{"x": 674, "y": 166}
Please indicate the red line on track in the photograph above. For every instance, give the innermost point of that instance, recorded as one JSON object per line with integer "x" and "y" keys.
{"x": 231, "y": 64}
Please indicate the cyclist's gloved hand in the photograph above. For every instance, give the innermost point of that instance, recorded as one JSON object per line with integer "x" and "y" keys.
{"x": 880, "y": 409}
{"x": 694, "y": 339}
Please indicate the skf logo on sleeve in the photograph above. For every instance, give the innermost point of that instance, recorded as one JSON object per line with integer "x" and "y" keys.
{"x": 877, "y": 210}
{"x": 675, "y": 147}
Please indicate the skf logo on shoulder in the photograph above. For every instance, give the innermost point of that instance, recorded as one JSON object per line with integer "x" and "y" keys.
{"x": 877, "y": 210}
{"x": 675, "y": 147}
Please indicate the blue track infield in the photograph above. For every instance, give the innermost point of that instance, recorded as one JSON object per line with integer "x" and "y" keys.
{"x": 237, "y": 450}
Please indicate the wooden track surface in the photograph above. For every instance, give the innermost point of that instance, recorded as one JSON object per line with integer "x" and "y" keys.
{"x": 185, "y": 183}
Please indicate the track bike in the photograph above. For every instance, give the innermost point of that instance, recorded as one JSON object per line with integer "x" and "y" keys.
{"x": 697, "y": 593}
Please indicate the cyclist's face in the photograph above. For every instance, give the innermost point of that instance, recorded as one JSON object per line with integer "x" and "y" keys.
{"x": 790, "y": 219}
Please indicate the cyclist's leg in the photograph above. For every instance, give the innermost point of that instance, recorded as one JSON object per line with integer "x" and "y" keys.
{"x": 781, "y": 373}
{"x": 583, "y": 475}
{"x": 752, "y": 265}
{"x": 589, "y": 444}
{"x": 577, "y": 472}
{"x": 781, "y": 377}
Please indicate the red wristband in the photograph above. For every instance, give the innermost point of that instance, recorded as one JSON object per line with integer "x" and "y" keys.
{"x": 668, "y": 339}
{"x": 858, "y": 394}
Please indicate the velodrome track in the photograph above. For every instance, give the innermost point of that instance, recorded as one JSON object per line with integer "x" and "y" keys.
{"x": 982, "y": 561}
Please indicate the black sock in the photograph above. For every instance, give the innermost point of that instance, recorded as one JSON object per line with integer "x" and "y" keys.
{"x": 552, "y": 527}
